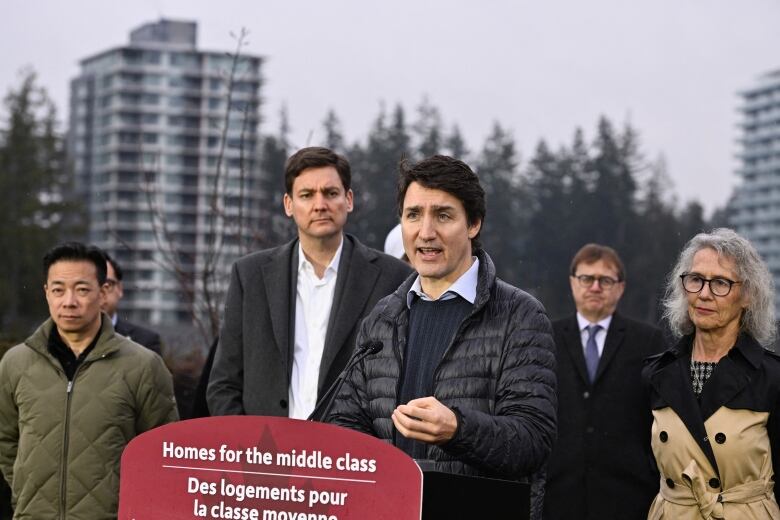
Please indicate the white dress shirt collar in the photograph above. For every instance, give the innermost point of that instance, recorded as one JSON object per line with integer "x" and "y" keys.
{"x": 583, "y": 322}
{"x": 465, "y": 287}
{"x": 303, "y": 262}
{"x": 601, "y": 335}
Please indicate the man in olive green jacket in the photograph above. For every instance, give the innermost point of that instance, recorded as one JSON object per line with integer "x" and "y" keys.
{"x": 73, "y": 395}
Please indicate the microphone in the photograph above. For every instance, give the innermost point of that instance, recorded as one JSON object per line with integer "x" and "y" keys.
{"x": 325, "y": 403}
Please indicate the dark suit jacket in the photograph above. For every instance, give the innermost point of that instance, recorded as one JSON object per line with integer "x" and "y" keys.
{"x": 199, "y": 406}
{"x": 253, "y": 362}
{"x": 141, "y": 335}
{"x": 602, "y": 466}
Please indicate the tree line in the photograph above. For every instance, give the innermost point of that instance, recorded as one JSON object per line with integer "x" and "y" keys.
{"x": 540, "y": 211}
{"x": 598, "y": 188}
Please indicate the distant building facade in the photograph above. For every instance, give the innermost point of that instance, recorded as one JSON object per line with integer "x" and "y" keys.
{"x": 755, "y": 206}
{"x": 150, "y": 128}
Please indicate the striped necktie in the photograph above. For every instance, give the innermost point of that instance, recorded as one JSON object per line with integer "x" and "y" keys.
{"x": 592, "y": 351}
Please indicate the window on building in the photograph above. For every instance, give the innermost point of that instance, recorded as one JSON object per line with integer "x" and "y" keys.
{"x": 184, "y": 59}
{"x": 152, "y": 80}
{"x": 151, "y": 57}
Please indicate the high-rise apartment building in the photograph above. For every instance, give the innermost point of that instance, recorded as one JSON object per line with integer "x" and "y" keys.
{"x": 755, "y": 207}
{"x": 163, "y": 139}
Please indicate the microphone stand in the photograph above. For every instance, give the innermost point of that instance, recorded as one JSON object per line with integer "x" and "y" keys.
{"x": 325, "y": 403}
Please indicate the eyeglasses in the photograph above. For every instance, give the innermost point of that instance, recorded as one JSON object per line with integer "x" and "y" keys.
{"x": 694, "y": 283}
{"x": 605, "y": 282}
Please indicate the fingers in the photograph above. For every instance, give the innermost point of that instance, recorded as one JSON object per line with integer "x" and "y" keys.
{"x": 425, "y": 402}
{"x": 426, "y": 420}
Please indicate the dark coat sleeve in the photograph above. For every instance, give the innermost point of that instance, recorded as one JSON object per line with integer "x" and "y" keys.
{"x": 518, "y": 437}
{"x": 773, "y": 429}
{"x": 225, "y": 387}
{"x": 199, "y": 406}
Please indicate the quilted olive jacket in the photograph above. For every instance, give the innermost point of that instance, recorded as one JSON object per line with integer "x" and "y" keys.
{"x": 61, "y": 442}
{"x": 498, "y": 375}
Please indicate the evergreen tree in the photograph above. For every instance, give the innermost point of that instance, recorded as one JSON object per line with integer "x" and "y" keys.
{"x": 427, "y": 130}
{"x": 375, "y": 177}
{"x": 455, "y": 145}
{"x": 502, "y": 230}
{"x": 550, "y": 211}
{"x": 650, "y": 263}
{"x": 35, "y": 211}
{"x": 615, "y": 162}
{"x": 275, "y": 228}
{"x": 334, "y": 138}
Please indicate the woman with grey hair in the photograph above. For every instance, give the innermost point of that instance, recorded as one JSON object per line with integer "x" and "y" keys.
{"x": 716, "y": 395}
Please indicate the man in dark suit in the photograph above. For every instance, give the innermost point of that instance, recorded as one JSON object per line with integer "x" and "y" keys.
{"x": 292, "y": 312}
{"x": 114, "y": 292}
{"x": 601, "y": 466}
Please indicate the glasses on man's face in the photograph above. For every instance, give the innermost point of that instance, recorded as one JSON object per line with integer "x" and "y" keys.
{"x": 605, "y": 282}
{"x": 694, "y": 283}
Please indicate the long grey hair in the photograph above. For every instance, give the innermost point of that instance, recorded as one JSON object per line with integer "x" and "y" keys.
{"x": 757, "y": 285}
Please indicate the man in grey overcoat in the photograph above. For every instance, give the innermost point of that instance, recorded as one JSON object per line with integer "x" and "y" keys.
{"x": 292, "y": 312}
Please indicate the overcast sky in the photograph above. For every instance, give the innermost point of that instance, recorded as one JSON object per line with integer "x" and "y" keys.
{"x": 672, "y": 68}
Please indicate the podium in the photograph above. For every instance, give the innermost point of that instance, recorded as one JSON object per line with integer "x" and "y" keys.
{"x": 265, "y": 468}
{"x": 274, "y": 468}
{"x": 446, "y": 495}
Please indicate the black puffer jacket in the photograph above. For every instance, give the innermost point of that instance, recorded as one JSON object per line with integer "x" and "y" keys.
{"x": 498, "y": 375}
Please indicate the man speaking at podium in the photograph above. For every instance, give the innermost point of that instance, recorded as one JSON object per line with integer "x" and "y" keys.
{"x": 457, "y": 366}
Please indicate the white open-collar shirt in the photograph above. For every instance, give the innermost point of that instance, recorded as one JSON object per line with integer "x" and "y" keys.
{"x": 313, "y": 302}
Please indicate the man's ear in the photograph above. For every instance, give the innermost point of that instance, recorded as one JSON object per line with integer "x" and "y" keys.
{"x": 287, "y": 202}
{"x": 474, "y": 228}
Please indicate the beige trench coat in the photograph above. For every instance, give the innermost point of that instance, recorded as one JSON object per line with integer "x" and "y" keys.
{"x": 716, "y": 453}
{"x": 690, "y": 489}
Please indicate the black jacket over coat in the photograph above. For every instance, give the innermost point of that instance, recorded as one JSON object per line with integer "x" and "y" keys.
{"x": 497, "y": 374}
{"x": 602, "y": 466}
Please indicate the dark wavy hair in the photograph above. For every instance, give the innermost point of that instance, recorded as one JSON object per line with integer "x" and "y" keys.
{"x": 441, "y": 172}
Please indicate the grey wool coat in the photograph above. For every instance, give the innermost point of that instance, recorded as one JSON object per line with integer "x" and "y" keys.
{"x": 253, "y": 362}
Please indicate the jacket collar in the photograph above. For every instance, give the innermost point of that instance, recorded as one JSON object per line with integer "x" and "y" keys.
{"x": 745, "y": 348}
{"x": 670, "y": 378}
{"x": 486, "y": 280}
{"x": 108, "y": 341}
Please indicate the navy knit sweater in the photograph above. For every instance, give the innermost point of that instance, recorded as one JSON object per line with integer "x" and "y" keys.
{"x": 432, "y": 325}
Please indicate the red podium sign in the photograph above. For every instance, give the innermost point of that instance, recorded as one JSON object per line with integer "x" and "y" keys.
{"x": 265, "y": 468}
